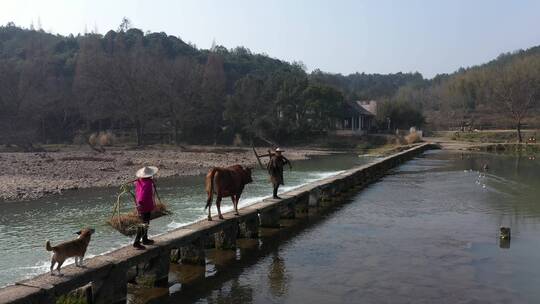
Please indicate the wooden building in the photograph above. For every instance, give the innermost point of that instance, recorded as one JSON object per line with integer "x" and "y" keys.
{"x": 356, "y": 120}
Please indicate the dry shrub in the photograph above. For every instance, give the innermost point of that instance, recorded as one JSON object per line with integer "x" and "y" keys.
{"x": 106, "y": 138}
{"x": 413, "y": 137}
{"x": 399, "y": 140}
{"x": 71, "y": 299}
{"x": 145, "y": 280}
{"x": 237, "y": 141}
{"x": 127, "y": 223}
{"x": 93, "y": 139}
{"x": 79, "y": 139}
{"x": 81, "y": 295}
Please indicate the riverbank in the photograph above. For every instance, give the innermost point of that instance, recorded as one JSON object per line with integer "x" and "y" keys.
{"x": 28, "y": 176}
{"x": 496, "y": 147}
{"x": 450, "y": 144}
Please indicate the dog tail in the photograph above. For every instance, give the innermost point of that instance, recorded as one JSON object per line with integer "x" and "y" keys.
{"x": 48, "y": 246}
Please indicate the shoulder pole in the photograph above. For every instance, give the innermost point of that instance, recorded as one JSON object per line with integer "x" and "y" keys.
{"x": 257, "y": 156}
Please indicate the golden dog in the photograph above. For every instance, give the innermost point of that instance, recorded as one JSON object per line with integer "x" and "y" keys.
{"x": 74, "y": 248}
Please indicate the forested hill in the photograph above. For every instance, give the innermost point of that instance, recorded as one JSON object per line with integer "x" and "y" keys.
{"x": 502, "y": 93}
{"x": 157, "y": 87}
{"x": 361, "y": 86}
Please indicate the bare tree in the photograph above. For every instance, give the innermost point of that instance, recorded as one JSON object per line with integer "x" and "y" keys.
{"x": 213, "y": 93}
{"x": 181, "y": 81}
{"x": 125, "y": 80}
{"x": 27, "y": 93}
{"x": 11, "y": 99}
{"x": 516, "y": 88}
{"x": 124, "y": 25}
{"x": 93, "y": 83}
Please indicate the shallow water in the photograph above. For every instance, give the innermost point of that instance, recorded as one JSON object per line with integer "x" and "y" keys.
{"x": 25, "y": 226}
{"x": 427, "y": 233}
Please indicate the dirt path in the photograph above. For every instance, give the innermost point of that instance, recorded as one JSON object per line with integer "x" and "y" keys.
{"x": 449, "y": 144}
{"x": 27, "y": 176}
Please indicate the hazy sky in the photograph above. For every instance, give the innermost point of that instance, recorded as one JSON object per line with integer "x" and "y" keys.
{"x": 430, "y": 36}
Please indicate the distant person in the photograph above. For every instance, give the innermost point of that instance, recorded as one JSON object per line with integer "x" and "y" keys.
{"x": 275, "y": 169}
{"x": 144, "y": 199}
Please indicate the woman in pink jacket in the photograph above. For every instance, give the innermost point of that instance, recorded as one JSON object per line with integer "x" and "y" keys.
{"x": 144, "y": 199}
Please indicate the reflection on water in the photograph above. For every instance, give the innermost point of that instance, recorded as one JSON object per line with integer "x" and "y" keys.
{"x": 504, "y": 243}
{"x": 138, "y": 295}
{"x": 186, "y": 274}
{"x": 232, "y": 292}
{"x": 277, "y": 276}
{"x": 428, "y": 233}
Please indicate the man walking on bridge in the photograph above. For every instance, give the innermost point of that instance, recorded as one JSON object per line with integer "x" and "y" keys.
{"x": 275, "y": 169}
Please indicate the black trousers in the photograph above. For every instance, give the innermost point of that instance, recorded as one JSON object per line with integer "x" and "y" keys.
{"x": 142, "y": 231}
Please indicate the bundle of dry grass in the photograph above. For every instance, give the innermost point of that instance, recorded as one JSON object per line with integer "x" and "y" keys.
{"x": 128, "y": 222}
{"x": 106, "y": 138}
{"x": 125, "y": 223}
{"x": 413, "y": 137}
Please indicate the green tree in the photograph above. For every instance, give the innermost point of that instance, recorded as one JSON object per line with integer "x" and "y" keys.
{"x": 398, "y": 115}
{"x": 324, "y": 105}
{"x": 247, "y": 110}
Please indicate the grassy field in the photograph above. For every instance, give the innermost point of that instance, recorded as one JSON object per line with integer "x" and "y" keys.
{"x": 495, "y": 136}
{"x": 508, "y": 148}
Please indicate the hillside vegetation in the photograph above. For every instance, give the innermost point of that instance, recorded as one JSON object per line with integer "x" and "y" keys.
{"x": 503, "y": 93}
{"x": 153, "y": 87}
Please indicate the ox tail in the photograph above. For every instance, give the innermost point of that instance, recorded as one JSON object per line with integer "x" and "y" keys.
{"x": 48, "y": 246}
{"x": 210, "y": 187}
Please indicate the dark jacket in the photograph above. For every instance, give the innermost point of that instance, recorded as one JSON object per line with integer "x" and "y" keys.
{"x": 275, "y": 168}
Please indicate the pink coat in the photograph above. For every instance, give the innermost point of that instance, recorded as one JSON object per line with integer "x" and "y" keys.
{"x": 144, "y": 195}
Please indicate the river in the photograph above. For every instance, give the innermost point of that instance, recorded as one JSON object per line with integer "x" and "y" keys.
{"x": 25, "y": 226}
{"x": 426, "y": 233}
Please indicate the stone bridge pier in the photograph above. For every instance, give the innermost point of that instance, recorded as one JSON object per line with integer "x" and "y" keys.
{"x": 269, "y": 217}
{"x": 190, "y": 254}
{"x": 225, "y": 239}
{"x": 248, "y": 227}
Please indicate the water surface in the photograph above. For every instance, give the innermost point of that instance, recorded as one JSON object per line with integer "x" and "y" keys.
{"x": 25, "y": 226}
{"x": 426, "y": 233}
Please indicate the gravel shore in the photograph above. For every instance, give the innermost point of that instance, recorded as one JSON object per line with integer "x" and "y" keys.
{"x": 27, "y": 176}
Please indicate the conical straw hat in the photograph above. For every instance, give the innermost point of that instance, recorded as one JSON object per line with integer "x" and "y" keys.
{"x": 145, "y": 172}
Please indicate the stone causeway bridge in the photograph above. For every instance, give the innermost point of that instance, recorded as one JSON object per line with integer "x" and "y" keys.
{"x": 105, "y": 278}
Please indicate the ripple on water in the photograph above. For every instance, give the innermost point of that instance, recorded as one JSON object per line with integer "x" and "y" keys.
{"x": 429, "y": 237}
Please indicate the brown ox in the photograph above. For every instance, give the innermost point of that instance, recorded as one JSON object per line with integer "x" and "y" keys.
{"x": 226, "y": 182}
